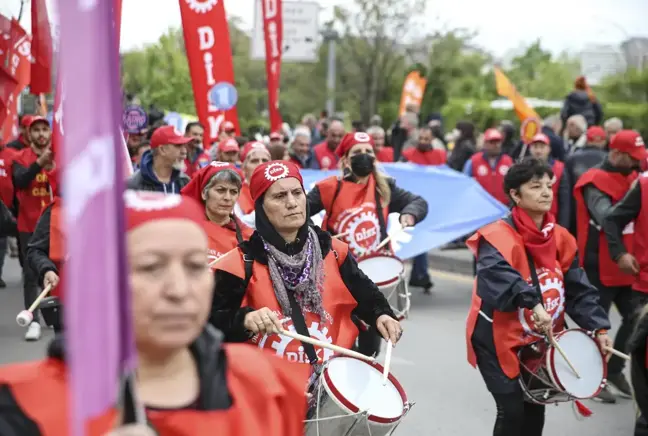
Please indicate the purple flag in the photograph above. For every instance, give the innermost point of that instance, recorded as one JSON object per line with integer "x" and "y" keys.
{"x": 99, "y": 339}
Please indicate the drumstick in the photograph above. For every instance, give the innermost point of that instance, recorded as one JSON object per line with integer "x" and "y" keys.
{"x": 389, "y": 238}
{"x": 388, "y": 354}
{"x": 319, "y": 343}
{"x": 342, "y": 235}
{"x": 617, "y": 353}
{"x": 554, "y": 343}
{"x": 25, "y": 317}
{"x": 213, "y": 262}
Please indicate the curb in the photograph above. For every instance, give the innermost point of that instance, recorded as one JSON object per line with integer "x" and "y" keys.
{"x": 440, "y": 260}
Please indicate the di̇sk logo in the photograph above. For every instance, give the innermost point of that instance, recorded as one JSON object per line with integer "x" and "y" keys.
{"x": 361, "y": 137}
{"x": 201, "y": 6}
{"x": 276, "y": 171}
{"x": 364, "y": 230}
{"x": 148, "y": 201}
{"x": 546, "y": 230}
{"x": 482, "y": 170}
{"x": 285, "y": 346}
{"x": 553, "y": 296}
{"x": 326, "y": 163}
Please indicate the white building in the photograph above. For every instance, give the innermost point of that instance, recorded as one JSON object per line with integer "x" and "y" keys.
{"x": 600, "y": 61}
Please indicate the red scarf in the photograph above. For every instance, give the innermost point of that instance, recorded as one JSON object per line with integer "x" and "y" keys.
{"x": 541, "y": 244}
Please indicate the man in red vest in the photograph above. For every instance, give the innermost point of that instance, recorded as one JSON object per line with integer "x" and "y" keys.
{"x": 489, "y": 166}
{"x": 611, "y": 268}
{"x": 424, "y": 153}
{"x": 325, "y": 150}
{"x": 540, "y": 148}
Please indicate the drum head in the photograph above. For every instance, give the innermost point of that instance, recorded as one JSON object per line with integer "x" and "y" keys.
{"x": 583, "y": 352}
{"x": 358, "y": 386}
{"x": 382, "y": 270}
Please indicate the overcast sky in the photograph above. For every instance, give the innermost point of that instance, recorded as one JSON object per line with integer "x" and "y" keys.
{"x": 502, "y": 24}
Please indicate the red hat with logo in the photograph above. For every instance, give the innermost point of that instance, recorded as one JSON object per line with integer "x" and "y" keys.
{"x": 596, "y": 133}
{"x": 168, "y": 135}
{"x": 200, "y": 179}
{"x": 493, "y": 135}
{"x": 269, "y": 172}
{"x": 350, "y": 140}
{"x": 36, "y": 119}
{"x": 630, "y": 142}
{"x": 143, "y": 207}
{"x": 228, "y": 145}
{"x": 253, "y": 145}
{"x": 227, "y": 126}
{"x": 540, "y": 137}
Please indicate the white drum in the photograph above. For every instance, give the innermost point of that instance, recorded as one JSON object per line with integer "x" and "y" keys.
{"x": 350, "y": 399}
{"x": 388, "y": 273}
{"x": 546, "y": 376}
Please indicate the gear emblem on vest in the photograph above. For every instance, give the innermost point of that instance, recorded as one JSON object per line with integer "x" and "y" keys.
{"x": 553, "y": 296}
{"x": 503, "y": 169}
{"x": 281, "y": 343}
{"x": 482, "y": 170}
{"x": 364, "y": 232}
{"x": 276, "y": 171}
{"x": 326, "y": 163}
{"x": 201, "y": 6}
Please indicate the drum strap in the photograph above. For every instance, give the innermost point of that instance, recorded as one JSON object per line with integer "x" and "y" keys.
{"x": 300, "y": 325}
{"x": 534, "y": 276}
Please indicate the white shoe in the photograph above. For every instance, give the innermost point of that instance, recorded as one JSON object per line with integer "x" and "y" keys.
{"x": 33, "y": 332}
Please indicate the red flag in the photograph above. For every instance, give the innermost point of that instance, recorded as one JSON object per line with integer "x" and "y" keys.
{"x": 273, "y": 33}
{"x": 41, "y": 69}
{"x": 207, "y": 43}
{"x": 117, "y": 17}
{"x": 19, "y": 70}
{"x": 8, "y": 86}
{"x": 5, "y": 36}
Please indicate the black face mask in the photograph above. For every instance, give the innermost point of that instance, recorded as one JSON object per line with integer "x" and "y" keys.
{"x": 362, "y": 164}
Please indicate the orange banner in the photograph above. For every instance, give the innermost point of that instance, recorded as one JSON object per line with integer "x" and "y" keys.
{"x": 506, "y": 89}
{"x": 413, "y": 90}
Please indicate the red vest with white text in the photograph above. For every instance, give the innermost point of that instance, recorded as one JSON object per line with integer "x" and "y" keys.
{"x": 492, "y": 180}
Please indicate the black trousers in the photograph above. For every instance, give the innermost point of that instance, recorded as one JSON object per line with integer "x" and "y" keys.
{"x": 629, "y": 304}
{"x": 30, "y": 279}
{"x": 641, "y": 426}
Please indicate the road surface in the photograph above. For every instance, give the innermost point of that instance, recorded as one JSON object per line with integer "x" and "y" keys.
{"x": 430, "y": 362}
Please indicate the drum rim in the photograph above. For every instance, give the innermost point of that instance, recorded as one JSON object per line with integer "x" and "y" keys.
{"x": 392, "y": 280}
{"x": 552, "y": 364}
{"x": 352, "y": 407}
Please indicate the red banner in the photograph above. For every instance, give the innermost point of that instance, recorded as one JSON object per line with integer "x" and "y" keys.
{"x": 41, "y": 49}
{"x": 207, "y": 43}
{"x": 19, "y": 53}
{"x": 273, "y": 34}
{"x": 117, "y": 5}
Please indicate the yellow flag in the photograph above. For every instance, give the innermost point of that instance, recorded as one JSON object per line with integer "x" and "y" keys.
{"x": 413, "y": 90}
{"x": 506, "y": 89}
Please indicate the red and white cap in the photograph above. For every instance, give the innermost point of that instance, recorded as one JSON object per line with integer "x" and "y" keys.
{"x": 228, "y": 145}
{"x": 37, "y": 119}
{"x": 630, "y": 142}
{"x": 227, "y": 127}
{"x": 492, "y": 135}
{"x": 168, "y": 135}
{"x": 269, "y": 172}
{"x": 352, "y": 139}
{"x": 143, "y": 207}
{"x": 253, "y": 146}
{"x": 540, "y": 137}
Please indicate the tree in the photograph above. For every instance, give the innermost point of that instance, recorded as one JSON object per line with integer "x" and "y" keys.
{"x": 628, "y": 87}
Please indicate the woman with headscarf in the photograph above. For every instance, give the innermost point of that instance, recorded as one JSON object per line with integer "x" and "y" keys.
{"x": 253, "y": 154}
{"x": 294, "y": 276}
{"x": 188, "y": 381}
{"x": 218, "y": 187}
{"x": 528, "y": 278}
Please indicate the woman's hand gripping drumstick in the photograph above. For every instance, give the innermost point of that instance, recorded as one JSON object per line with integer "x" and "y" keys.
{"x": 388, "y": 354}
{"x": 386, "y": 241}
{"x": 544, "y": 324}
{"x": 617, "y": 353}
{"x": 332, "y": 347}
{"x": 26, "y": 317}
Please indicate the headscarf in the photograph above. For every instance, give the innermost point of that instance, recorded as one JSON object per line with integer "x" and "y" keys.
{"x": 202, "y": 177}
{"x": 267, "y": 173}
{"x": 143, "y": 207}
{"x": 352, "y": 139}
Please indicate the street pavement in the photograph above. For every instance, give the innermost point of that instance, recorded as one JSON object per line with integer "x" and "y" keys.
{"x": 430, "y": 362}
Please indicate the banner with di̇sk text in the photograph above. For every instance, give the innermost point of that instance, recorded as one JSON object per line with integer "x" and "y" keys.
{"x": 273, "y": 34}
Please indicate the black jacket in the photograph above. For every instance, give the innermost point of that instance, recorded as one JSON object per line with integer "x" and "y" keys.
{"x": 638, "y": 365}
{"x": 16, "y": 144}
{"x": 619, "y": 215}
{"x": 461, "y": 152}
{"x": 39, "y": 245}
{"x": 579, "y": 103}
{"x": 228, "y": 315}
{"x": 503, "y": 289}
{"x": 575, "y": 166}
{"x": 211, "y": 361}
{"x": 402, "y": 201}
{"x": 564, "y": 200}
{"x": 146, "y": 180}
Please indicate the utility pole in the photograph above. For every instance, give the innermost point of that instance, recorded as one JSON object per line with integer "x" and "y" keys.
{"x": 330, "y": 36}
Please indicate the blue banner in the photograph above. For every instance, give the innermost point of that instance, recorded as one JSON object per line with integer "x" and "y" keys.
{"x": 457, "y": 205}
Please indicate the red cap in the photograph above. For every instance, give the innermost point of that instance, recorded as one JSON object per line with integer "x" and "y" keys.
{"x": 630, "y": 142}
{"x": 596, "y": 133}
{"x": 200, "y": 179}
{"x": 26, "y": 120}
{"x": 143, "y": 207}
{"x": 227, "y": 145}
{"x": 493, "y": 135}
{"x": 351, "y": 139}
{"x": 253, "y": 145}
{"x": 227, "y": 126}
{"x": 269, "y": 172}
{"x": 275, "y": 135}
{"x": 540, "y": 137}
{"x": 168, "y": 135}
{"x": 36, "y": 119}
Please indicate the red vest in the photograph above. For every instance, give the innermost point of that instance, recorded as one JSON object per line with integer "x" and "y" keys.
{"x": 614, "y": 185}
{"x": 353, "y": 210}
{"x": 57, "y": 244}
{"x": 430, "y": 157}
{"x": 326, "y": 158}
{"x": 558, "y": 168}
{"x": 267, "y": 393}
{"x": 511, "y": 330}
{"x": 337, "y": 327}
{"x": 245, "y": 199}
{"x": 492, "y": 180}
{"x": 201, "y": 161}
{"x": 33, "y": 199}
{"x": 385, "y": 154}
{"x": 296, "y": 162}
{"x": 223, "y": 238}
{"x": 6, "y": 181}
{"x": 641, "y": 239}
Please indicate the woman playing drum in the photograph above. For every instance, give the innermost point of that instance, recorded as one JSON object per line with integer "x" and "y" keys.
{"x": 358, "y": 203}
{"x": 293, "y": 276}
{"x": 508, "y": 311}
{"x": 188, "y": 380}
{"x": 218, "y": 186}
{"x": 253, "y": 154}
